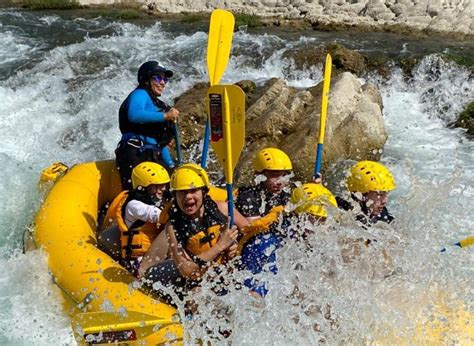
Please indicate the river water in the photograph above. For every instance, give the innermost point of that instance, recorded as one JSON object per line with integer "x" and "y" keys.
{"x": 62, "y": 80}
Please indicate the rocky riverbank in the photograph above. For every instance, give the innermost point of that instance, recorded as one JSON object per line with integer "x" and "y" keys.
{"x": 414, "y": 17}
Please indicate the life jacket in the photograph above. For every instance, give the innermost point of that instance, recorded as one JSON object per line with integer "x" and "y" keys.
{"x": 260, "y": 225}
{"x": 196, "y": 236}
{"x": 256, "y": 201}
{"x": 162, "y": 132}
{"x": 136, "y": 239}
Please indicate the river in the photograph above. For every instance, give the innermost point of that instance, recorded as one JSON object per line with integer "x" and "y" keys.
{"x": 62, "y": 80}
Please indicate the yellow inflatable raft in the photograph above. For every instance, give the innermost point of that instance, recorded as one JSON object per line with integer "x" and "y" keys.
{"x": 101, "y": 296}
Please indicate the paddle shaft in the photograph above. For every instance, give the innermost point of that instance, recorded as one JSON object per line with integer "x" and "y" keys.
{"x": 228, "y": 162}
{"x": 322, "y": 120}
{"x": 205, "y": 145}
{"x": 179, "y": 155}
{"x": 178, "y": 143}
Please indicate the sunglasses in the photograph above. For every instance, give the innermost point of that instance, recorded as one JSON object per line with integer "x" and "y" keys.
{"x": 158, "y": 79}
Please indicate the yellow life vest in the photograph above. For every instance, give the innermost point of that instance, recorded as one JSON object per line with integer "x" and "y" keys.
{"x": 201, "y": 240}
{"x": 137, "y": 240}
{"x": 260, "y": 225}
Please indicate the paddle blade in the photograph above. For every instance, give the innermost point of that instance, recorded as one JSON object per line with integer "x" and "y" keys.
{"x": 221, "y": 29}
{"x": 227, "y": 118}
{"x": 467, "y": 241}
{"x": 325, "y": 97}
{"x": 114, "y": 326}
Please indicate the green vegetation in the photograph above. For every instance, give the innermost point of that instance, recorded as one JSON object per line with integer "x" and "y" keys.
{"x": 191, "y": 18}
{"x": 464, "y": 60}
{"x": 51, "y": 4}
{"x": 466, "y": 119}
{"x": 246, "y": 19}
{"x": 125, "y": 14}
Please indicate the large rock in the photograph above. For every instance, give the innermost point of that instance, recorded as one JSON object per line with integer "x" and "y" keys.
{"x": 288, "y": 118}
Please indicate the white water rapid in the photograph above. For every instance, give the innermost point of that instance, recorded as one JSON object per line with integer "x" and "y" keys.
{"x": 61, "y": 84}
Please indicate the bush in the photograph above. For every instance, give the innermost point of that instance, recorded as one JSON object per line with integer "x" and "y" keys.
{"x": 462, "y": 60}
{"x": 51, "y": 4}
{"x": 466, "y": 119}
{"x": 191, "y": 18}
{"x": 247, "y": 19}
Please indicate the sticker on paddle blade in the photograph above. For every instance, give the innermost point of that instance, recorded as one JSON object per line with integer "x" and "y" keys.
{"x": 215, "y": 110}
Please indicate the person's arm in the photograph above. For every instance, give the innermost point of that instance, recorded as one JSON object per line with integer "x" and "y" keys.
{"x": 142, "y": 110}
{"x": 137, "y": 210}
{"x": 239, "y": 219}
{"x": 155, "y": 254}
{"x": 188, "y": 267}
{"x": 166, "y": 156}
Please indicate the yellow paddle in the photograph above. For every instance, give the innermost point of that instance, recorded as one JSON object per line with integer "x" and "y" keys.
{"x": 322, "y": 120}
{"x": 227, "y": 122}
{"x": 221, "y": 30}
{"x": 466, "y": 242}
{"x": 115, "y": 326}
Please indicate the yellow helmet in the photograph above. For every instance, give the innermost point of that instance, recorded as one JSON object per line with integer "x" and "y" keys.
{"x": 147, "y": 173}
{"x": 368, "y": 176}
{"x": 189, "y": 176}
{"x": 311, "y": 198}
{"x": 272, "y": 159}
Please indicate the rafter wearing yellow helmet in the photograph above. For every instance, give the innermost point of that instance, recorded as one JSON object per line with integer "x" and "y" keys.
{"x": 262, "y": 205}
{"x": 312, "y": 199}
{"x": 370, "y": 182}
{"x": 196, "y": 225}
{"x": 133, "y": 216}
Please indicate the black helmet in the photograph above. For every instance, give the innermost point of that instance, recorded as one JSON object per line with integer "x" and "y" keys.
{"x": 152, "y": 68}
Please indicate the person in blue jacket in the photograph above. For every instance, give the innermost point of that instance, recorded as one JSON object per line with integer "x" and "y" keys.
{"x": 146, "y": 123}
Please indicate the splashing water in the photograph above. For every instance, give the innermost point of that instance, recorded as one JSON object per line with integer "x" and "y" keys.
{"x": 61, "y": 88}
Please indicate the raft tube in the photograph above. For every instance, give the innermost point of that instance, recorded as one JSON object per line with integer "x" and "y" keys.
{"x": 101, "y": 298}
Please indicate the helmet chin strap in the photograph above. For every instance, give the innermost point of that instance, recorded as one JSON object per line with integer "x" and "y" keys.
{"x": 201, "y": 207}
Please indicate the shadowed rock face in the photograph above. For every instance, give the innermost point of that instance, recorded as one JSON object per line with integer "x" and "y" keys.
{"x": 288, "y": 118}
